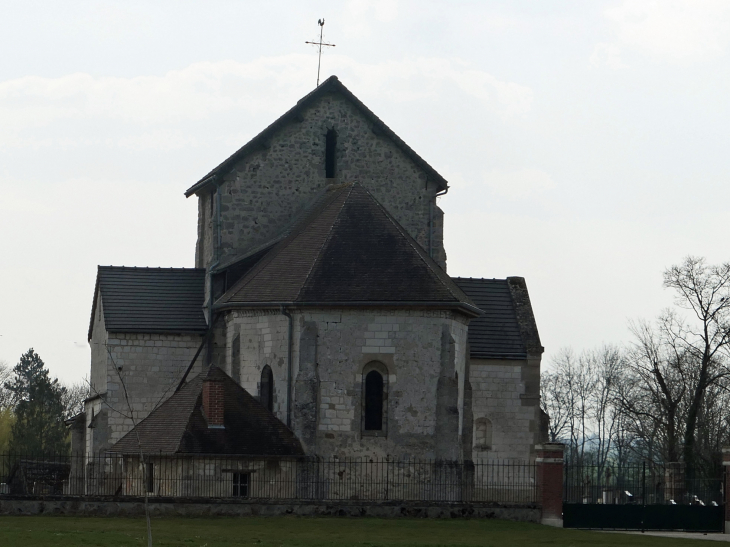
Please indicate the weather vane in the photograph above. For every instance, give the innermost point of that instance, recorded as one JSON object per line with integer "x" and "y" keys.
{"x": 319, "y": 45}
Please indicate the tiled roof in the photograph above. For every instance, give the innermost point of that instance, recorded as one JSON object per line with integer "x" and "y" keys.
{"x": 496, "y": 334}
{"x": 178, "y": 425}
{"x": 150, "y": 300}
{"x": 330, "y": 85}
{"x": 348, "y": 251}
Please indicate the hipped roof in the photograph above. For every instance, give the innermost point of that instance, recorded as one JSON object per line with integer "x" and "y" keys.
{"x": 347, "y": 251}
{"x": 330, "y": 85}
{"x": 179, "y": 426}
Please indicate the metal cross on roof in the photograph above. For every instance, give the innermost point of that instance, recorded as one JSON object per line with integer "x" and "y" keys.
{"x": 319, "y": 46}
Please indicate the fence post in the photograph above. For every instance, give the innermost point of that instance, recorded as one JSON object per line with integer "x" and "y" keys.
{"x": 549, "y": 472}
{"x": 725, "y": 491}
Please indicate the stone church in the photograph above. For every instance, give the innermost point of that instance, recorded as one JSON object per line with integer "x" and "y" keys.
{"x": 320, "y": 309}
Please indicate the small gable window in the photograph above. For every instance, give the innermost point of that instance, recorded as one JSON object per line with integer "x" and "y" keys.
{"x": 329, "y": 156}
{"x": 266, "y": 389}
{"x": 240, "y": 485}
{"x": 374, "y": 408}
{"x": 483, "y": 439}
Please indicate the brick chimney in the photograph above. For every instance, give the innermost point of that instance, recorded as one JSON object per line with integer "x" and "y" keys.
{"x": 213, "y": 403}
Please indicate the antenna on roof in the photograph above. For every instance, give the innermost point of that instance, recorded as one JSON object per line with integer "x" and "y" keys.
{"x": 319, "y": 45}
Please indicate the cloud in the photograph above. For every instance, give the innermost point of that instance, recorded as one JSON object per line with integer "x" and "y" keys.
{"x": 171, "y": 111}
{"x": 519, "y": 184}
{"x": 608, "y": 55}
{"x": 673, "y": 29}
{"x": 385, "y": 11}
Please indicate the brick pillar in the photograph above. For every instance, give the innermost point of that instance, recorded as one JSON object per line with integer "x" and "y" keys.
{"x": 550, "y": 482}
{"x": 213, "y": 404}
{"x": 726, "y": 487}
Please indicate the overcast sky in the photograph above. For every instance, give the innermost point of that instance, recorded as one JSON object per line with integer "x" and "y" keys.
{"x": 585, "y": 143}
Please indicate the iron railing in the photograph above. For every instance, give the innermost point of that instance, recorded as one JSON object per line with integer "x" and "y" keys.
{"x": 283, "y": 478}
{"x": 643, "y": 484}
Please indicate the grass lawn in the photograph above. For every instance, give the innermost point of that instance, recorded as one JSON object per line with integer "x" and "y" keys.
{"x": 299, "y": 531}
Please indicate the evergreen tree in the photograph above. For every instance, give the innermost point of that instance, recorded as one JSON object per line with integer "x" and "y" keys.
{"x": 39, "y": 410}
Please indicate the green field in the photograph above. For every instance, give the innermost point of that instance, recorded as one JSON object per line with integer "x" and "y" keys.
{"x": 297, "y": 531}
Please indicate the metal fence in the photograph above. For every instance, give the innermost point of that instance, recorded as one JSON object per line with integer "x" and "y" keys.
{"x": 644, "y": 484}
{"x": 269, "y": 478}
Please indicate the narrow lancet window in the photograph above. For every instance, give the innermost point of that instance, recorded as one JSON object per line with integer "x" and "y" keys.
{"x": 266, "y": 387}
{"x": 330, "y": 149}
{"x": 373, "y": 401}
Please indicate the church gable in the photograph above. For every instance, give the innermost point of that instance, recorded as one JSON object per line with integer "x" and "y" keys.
{"x": 296, "y": 115}
{"x": 329, "y": 137}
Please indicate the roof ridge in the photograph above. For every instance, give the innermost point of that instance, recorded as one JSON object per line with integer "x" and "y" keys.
{"x": 329, "y": 234}
{"x": 175, "y": 395}
{"x": 479, "y": 278}
{"x": 427, "y": 260}
{"x": 281, "y": 245}
{"x": 154, "y": 268}
{"x": 285, "y": 232}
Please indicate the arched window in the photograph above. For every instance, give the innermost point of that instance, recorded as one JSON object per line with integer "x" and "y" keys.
{"x": 266, "y": 389}
{"x": 483, "y": 438}
{"x": 373, "y": 401}
{"x": 374, "y": 409}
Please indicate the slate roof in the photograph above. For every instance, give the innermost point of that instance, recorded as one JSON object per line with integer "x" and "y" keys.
{"x": 330, "y": 85}
{"x": 178, "y": 426}
{"x": 347, "y": 251}
{"x": 496, "y": 334}
{"x": 150, "y": 300}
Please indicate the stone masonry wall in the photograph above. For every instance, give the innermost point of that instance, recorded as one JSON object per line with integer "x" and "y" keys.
{"x": 263, "y": 336}
{"x": 266, "y": 190}
{"x": 499, "y": 395}
{"x": 97, "y": 435}
{"x": 152, "y": 367}
{"x": 174, "y": 507}
{"x": 407, "y": 343}
{"x": 99, "y": 354}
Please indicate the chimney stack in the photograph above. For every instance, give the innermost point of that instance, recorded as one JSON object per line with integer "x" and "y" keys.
{"x": 213, "y": 403}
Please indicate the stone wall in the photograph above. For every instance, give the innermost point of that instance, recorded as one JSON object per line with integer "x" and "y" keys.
{"x": 267, "y": 189}
{"x": 194, "y": 508}
{"x": 99, "y": 354}
{"x": 500, "y": 394}
{"x": 263, "y": 338}
{"x": 409, "y": 346}
{"x": 152, "y": 367}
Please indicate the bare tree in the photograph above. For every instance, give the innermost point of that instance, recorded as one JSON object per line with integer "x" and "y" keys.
{"x": 5, "y": 395}
{"x": 657, "y": 368}
{"x": 555, "y": 401}
{"x": 704, "y": 291}
{"x": 73, "y": 399}
{"x": 579, "y": 396}
{"x": 604, "y": 367}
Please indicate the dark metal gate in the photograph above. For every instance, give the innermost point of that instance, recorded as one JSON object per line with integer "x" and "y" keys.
{"x": 642, "y": 497}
